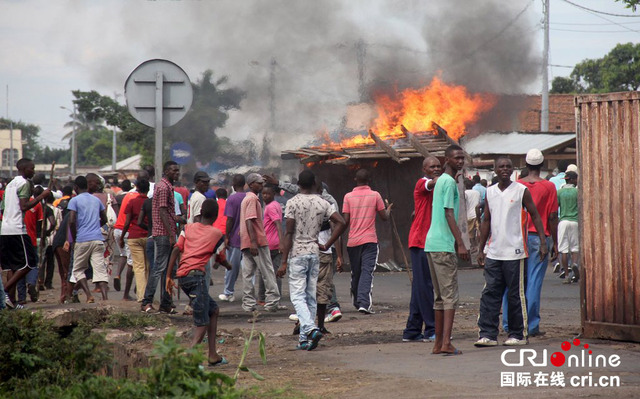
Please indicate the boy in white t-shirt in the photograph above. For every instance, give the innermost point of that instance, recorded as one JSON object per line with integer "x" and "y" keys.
{"x": 505, "y": 218}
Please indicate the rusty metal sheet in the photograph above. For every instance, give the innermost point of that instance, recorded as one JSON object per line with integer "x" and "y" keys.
{"x": 608, "y": 138}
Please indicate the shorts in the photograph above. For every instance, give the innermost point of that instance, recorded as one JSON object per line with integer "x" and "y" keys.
{"x": 122, "y": 251}
{"x": 17, "y": 252}
{"x": 568, "y": 237}
{"x": 444, "y": 274}
{"x": 324, "y": 290}
{"x": 93, "y": 251}
{"x": 197, "y": 290}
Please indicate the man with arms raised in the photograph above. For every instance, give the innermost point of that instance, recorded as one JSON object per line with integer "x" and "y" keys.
{"x": 421, "y": 313}
{"x": 17, "y": 253}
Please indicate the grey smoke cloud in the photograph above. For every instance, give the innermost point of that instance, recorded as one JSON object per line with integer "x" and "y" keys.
{"x": 313, "y": 43}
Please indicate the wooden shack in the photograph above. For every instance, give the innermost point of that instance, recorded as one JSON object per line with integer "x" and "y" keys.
{"x": 608, "y": 138}
{"x": 395, "y": 166}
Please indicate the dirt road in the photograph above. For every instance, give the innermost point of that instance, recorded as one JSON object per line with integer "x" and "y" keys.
{"x": 365, "y": 357}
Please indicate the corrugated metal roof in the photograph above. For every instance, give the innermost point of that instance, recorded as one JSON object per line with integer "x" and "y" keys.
{"x": 131, "y": 163}
{"x": 515, "y": 143}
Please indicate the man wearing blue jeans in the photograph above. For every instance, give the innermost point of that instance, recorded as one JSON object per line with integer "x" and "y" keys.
{"x": 164, "y": 238}
{"x": 232, "y": 238}
{"x": 305, "y": 213}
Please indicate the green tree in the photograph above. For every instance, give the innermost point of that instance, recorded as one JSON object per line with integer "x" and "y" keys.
{"x": 619, "y": 70}
{"x": 632, "y": 4}
{"x": 95, "y": 140}
{"x": 209, "y": 112}
{"x": 30, "y": 148}
{"x": 562, "y": 85}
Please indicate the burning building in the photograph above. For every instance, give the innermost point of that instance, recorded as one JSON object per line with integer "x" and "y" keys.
{"x": 409, "y": 125}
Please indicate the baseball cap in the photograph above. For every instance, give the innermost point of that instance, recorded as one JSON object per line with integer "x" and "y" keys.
{"x": 570, "y": 175}
{"x": 254, "y": 178}
{"x": 534, "y": 157}
{"x": 200, "y": 175}
{"x": 572, "y": 168}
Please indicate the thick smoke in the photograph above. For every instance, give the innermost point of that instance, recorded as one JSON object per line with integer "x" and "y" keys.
{"x": 315, "y": 46}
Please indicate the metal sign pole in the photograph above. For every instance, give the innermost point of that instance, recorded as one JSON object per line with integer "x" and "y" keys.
{"x": 159, "y": 110}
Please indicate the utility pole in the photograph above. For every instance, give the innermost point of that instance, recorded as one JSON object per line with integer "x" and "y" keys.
{"x": 544, "y": 114}
{"x": 361, "y": 53}
{"x": 11, "y": 160}
{"x": 113, "y": 150}
{"x": 272, "y": 95}
{"x": 74, "y": 147}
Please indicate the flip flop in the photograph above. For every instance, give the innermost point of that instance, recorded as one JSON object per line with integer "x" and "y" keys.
{"x": 454, "y": 353}
{"x": 220, "y": 362}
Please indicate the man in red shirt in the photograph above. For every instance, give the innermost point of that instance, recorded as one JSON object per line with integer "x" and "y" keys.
{"x": 546, "y": 199}
{"x": 421, "y": 306}
{"x": 137, "y": 238}
{"x": 360, "y": 207}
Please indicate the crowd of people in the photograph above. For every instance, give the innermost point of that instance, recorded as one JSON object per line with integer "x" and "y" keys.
{"x": 159, "y": 232}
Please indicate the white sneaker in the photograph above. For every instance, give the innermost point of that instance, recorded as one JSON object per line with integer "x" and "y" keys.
{"x": 484, "y": 341}
{"x": 513, "y": 341}
{"x": 226, "y": 298}
{"x": 365, "y": 311}
{"x": 293, "y": 317}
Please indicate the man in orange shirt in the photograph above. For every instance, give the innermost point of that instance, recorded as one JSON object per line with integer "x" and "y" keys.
{"x": 255, "y": 249}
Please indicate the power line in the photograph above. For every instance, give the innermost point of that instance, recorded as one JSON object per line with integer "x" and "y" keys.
{"x": 600, "y": 16}
{"x": 601, "y": 12}
{"x": 589, "y": 31}
{"x": 593, "y": 24}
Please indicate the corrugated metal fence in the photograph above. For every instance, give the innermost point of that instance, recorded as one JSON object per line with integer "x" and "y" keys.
{"x": 608, "y": 134}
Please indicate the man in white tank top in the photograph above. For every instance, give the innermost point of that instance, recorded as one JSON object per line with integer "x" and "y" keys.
{"x": 505, "y": 219}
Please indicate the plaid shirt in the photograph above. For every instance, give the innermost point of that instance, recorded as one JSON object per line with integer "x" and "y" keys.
{"x": 163, "y": 197}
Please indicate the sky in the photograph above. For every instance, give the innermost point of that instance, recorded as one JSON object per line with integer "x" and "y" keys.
{"x": 49, "y": 48}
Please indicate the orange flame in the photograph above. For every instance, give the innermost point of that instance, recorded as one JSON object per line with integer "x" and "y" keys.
{"x": 450, "y": 106}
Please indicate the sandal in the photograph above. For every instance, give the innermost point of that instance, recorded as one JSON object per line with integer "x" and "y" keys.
{"x": 220, "y": 362}
{"x": 91, "y": 300}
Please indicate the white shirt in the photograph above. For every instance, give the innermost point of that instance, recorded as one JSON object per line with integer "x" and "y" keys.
{"x": 509, "y": 222}
{"x": 473, "y": 198}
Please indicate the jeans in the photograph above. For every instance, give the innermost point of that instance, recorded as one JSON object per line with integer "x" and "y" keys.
{"x": 197, "y": 289}
{"x": 363, "y": 260}
{"x": 32, "y": 279}
{"x": 250, "y": 264}
{"x": 421, "y": 306}
{"x": 536, "y": 270}
{"x": 303, "y": 279}
{"x": 234, "y": 256}
{"x": 158, "y": 273}
{"x": 498, "y": 275}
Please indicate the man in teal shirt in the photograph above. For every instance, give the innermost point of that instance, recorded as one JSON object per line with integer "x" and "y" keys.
{"x": 568, "y": 233}
{"x": 444, "y": 240}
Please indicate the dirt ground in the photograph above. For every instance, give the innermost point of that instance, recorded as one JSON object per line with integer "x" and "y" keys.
{"x": 364, "y": 356}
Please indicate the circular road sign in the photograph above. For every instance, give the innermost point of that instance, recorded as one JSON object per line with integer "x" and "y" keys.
{"x": 158, "y": 80}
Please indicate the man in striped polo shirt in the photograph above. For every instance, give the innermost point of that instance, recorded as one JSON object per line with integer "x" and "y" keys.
{"x": 360, "y": 207}
{"x": 505, "y": 218}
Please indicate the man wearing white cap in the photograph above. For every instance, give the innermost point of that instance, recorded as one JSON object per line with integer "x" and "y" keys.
{"x": 546, "y": 200}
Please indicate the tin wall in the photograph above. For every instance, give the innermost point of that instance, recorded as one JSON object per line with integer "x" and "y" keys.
{"x": 608, "y": 137}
